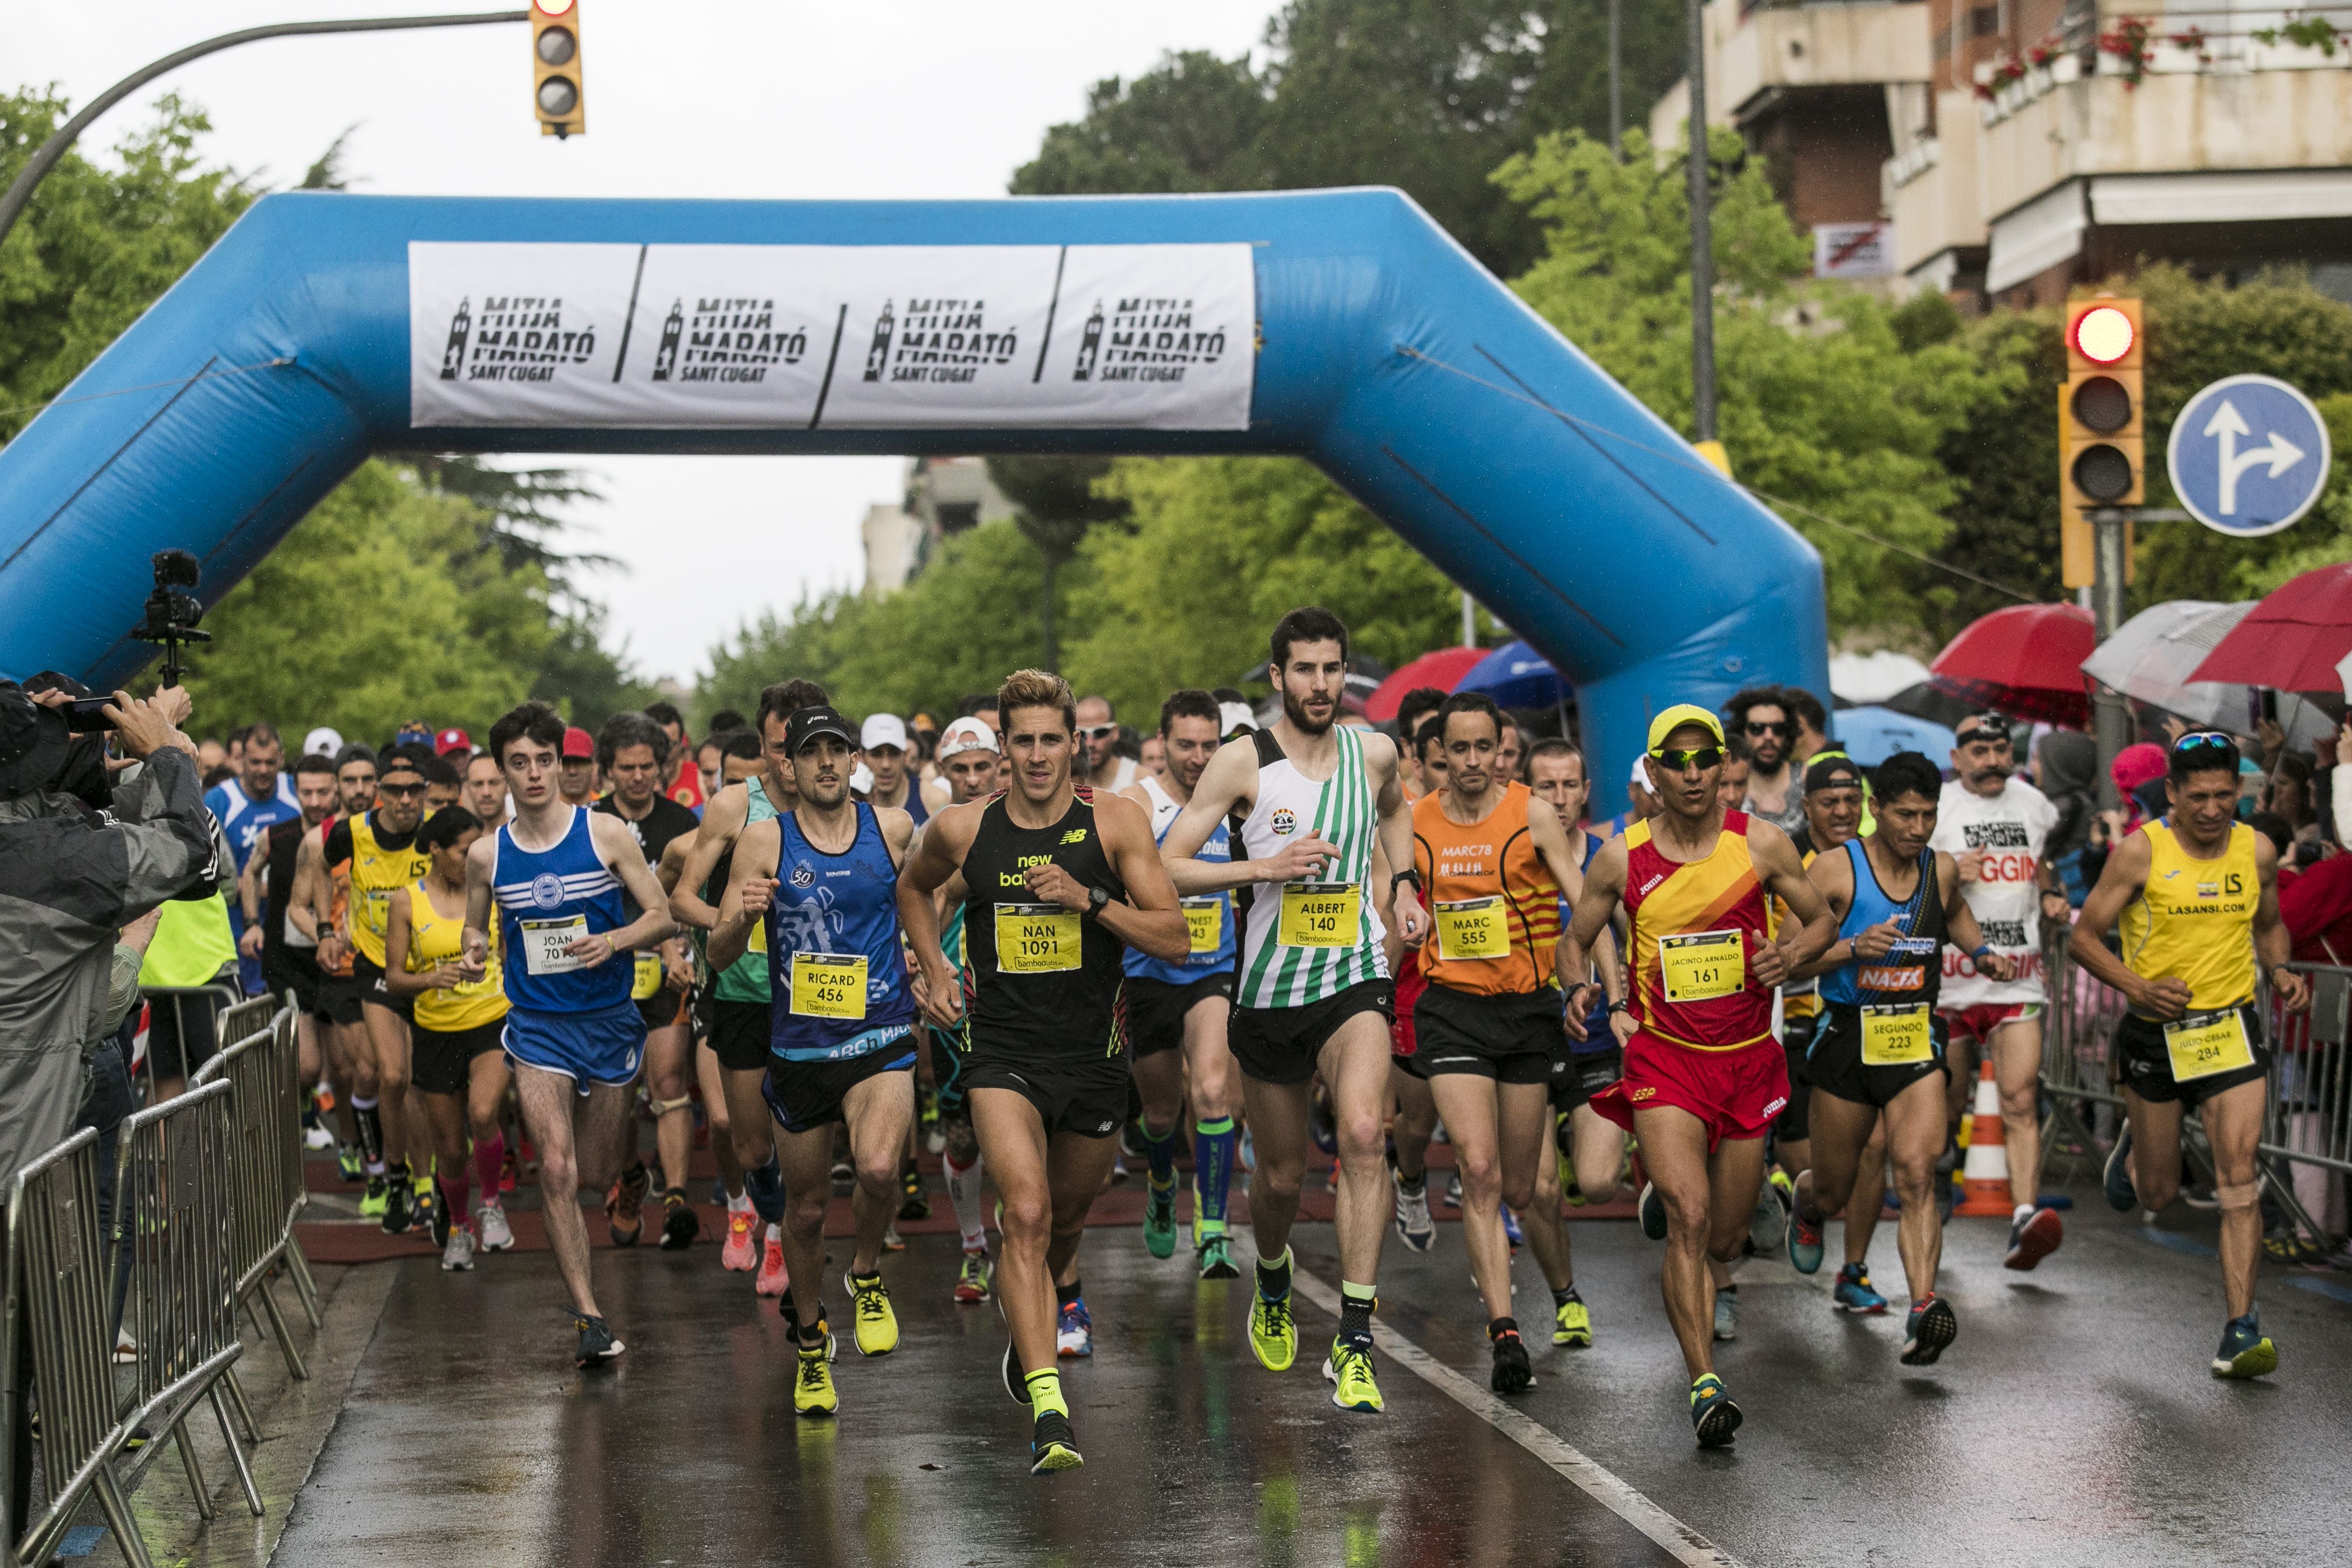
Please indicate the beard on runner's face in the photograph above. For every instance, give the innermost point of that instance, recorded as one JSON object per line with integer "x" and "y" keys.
{"x": 1293, "y": 708}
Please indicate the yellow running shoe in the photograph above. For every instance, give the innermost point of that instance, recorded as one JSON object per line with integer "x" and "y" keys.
{"x": 1572, "y": 1324}
{"x": 877, "y": 1325}
{"x": 1273, "y": 1332}
{"x": 813, "y": 1393}
{"x": 1349, "y": 1372}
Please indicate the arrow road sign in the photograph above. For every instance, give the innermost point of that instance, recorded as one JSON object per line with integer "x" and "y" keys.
{"x": 2248, "y": 456}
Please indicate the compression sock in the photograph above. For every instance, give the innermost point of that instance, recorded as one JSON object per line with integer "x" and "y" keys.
{"x": 1356, "y": 1303}
{"x": 765, "y": 1188}
{"x": 1274, "y": 1279}
{"x": 964, "y": 1192}
{"x": 1045, "y": 1393}
{"x": 1067, "y": 1296}
{"x": 453, "y": 1195}
{"x": 1562, "y": 1298}
{"x": 1158, "y": 1152}
{"x": 371, "y": 1131}
{"x": 1498, "y": 1327}
{"x": 1212, "y": 1170}
{"x": 490, "y": 1160}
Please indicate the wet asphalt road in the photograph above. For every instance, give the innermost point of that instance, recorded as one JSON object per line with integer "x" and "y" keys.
{"x": 2074, "y": 1422}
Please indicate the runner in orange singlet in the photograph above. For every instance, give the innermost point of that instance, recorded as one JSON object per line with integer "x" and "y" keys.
{"x": 1704, "y": 1076}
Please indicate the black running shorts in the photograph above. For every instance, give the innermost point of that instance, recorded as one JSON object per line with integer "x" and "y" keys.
{"x": 444, "y": 1063}
{"x": 740, "y": 1033}
{"x": 1087, "y": 1096}
{"x": 1795, "y": 1122}
{"x": 1577, "y": 1076}
{"x": 805, "y": 1096}
{"x": 1282, "y": 1044}
{"x": 1151, "y": 1013}
{"x": 1834, "y": 1062}
{"x": 368, "y": 976}
{"x": 2145, "y": 1065}
{"x": 1510, "y": 1038}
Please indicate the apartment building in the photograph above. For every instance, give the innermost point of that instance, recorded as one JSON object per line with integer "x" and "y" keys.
{"x": 944, "y": 496}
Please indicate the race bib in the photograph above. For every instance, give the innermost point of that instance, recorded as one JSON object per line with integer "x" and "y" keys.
{"x": 1205, "y": 919}
{"x": 1898, "y": 1037}
{"x": 646, "y": 980}
{"x": 375, "y": 908}
{"x": 1036, "y": 938}
{"x": 829, "y": 985}
{"x": 758, "y": 942}
{"x": 1701, "y": 965}
{"x": 2203, "y": 1044}
{"x": 1319, "y": 914}
{"x": 544, "y": 942}
{"x": 1473, "y": 928}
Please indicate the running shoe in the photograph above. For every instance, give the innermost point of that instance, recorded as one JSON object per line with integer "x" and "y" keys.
{"x": 1272, "y": 1331}
{"x": 1320, "y": 1127}
{"x": 347, "y": 1165}
{"x": 316, "y": 1134}
{"x": 1414, "y": 1225}
{"x": 1804, "y": 1243}
{"x": 1930, "y": 1326}
{"x": 1349, "y": 1371}
{"x": 972, "y": 1281}
{"x": 597, "y": 1345}
{"x": 1511, "y": 1371}
{"x": 2246, "y": 1351}
{"x": 626, "y": 1202}
{"x": 912, "y": 1204}
{"x": 1053, "y": 1446}
{"x": 1767, "y": 1222}
{"x": 1714, "y": 1417}
{"x": 1654, "y": 1212}
{"x": 1511, "y": 1230}
{"x": 1074, "y": 1334}
{"x": 1726, "y": 1314}
{"x": 1851, "y": 1293}
{"x": 877, "y": 1325}
{"x": 843, "y": 1172}
{"x": 457, "y": 1250}
{"x": 2033, "y": 1239}
{"x": 1947, "y": 1185}
{"x": 496, "y": 1235}
{"x": 774, "y": 1277}
{"x": 740, "y": 1253}
{"x": 1160, "y": 1218}
{"x": 378, "y": 1193}
{"x": 1784, "y": 1187}
{"x": 126, "y": 1348}
{"x": 1572, "y": 1324}
{"x": 2122, "y": 1196}
{"x": 1015, "y": 1384}
{"x": 431, "y": 1215}
{"x": 1216, "y": 1258}
{"x": 891, "y": 1240}
{"x": 1453, "y": 1191}
{"x": 395, "y": 1208}
{"x": 680, "y": 1224}
{"x": 813, "y": 1391}
{"x": 509, "y": 1168}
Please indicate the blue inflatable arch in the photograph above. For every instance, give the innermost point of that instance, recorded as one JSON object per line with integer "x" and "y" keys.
{"x": 1339, "y": 326}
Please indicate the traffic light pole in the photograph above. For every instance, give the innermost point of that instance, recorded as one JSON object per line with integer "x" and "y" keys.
{"x": 28, "y": 179}
{"x": 2111, "y": 719}
{"x": 1702, "y": 260}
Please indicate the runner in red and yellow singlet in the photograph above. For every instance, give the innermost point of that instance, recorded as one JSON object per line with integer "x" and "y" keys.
{"x": 1704, "y": 1076}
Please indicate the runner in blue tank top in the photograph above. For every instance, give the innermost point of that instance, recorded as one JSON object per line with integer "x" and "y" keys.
{"x": 823, "y": 882}
{"x": 557, "y": 874}
{"x": 1172, "y": 1015}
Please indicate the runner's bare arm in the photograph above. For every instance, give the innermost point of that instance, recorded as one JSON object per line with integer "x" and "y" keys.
{"x": 1961, "y": 921}
{"x": 1831, "y": 877}
{"x": 1150, "y": 920}
{"x": 937, "y": 861}
{"x": 1780, "y": 870}
{"x": 2125, "y": 875}
{"x": 722, "y": 822}
{"x": 745, "y": 900}
{"x": 398, "y": 928}
{"x": 897, "y": 828}
{"x": 249, "y": 886}
{"x": 2273, "y": 945}
{"x": 1604, "y": 884}
{"x": 1396, "y": 835}
{"x": 303, "y": 904}
{"x": 473, "y": 942}
{"x": 617, "y": 847}
{"x": 1229, "y": 784}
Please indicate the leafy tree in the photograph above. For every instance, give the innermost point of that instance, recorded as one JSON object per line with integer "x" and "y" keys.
{"x": 1057, "y": 499}
{"x": 1190, "y": 124}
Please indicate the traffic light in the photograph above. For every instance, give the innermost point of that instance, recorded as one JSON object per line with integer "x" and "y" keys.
{"x": 2100, "y": 456}
{"x": 555, "y": 82}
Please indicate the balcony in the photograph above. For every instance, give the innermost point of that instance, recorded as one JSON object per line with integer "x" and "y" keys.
{"x": 1784, "y": 48}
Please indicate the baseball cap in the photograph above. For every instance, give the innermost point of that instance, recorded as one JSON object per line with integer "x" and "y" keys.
{"x": 449, "y": 743}
{"x": 1232, "y": 717}
{"x": 1641, "y": 774}
{"x": 579, "y": 742}
{"x": 809, "y": 723}
{"x": 322, "y": 741}
{"x": 1836, "y": 770}
{"x": 882, "y": 729}
{"x": 1680, "y": 714}
{"x": 966, "y": 735}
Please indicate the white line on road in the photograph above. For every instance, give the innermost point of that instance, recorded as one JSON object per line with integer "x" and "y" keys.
{"x": 1685, "y": 1544}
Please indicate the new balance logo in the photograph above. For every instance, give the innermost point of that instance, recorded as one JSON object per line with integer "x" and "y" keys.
{"x": 1074, "y": 836}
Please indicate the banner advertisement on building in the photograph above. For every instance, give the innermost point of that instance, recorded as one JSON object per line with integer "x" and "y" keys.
{"x": 840, "y": 337}
{"x": 1853, "y": 250}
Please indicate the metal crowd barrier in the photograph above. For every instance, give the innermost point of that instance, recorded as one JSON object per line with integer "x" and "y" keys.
{"x": 265, "y": 1166}
{"x": 173, "y": 1199}
{"x": 222, "y": 997}
{"x": 57, "y": 1306}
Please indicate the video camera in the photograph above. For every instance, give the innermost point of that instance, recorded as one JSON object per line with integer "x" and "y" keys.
{"x": 173, "y": 608}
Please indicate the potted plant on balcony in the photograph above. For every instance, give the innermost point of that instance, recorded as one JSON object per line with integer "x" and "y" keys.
{"x": 2189, "y": 49}
{"x": 2300, "y": 43}
{"x": 2124, "y": 50}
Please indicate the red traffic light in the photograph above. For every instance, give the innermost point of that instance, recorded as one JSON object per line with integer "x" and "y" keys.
{"x": 2103, "y": 334}
{"x": 551, "y": 7}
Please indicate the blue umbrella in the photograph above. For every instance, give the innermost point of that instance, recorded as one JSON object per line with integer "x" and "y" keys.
{"x": 1515, "y": 676}
{"x": 1871, "y": 735}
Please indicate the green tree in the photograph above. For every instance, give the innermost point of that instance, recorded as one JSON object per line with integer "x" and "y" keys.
{"x": 1190, "y": 125}
{"x": 1057, "y": 501}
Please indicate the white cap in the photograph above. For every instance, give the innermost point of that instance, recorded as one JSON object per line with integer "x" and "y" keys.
{"x": 1641, "y": 773}
{"x": 322, "y": 742}
{"x": 861, "y": 779}
{"x": 966, "y": 735}
{"x": 883, "y": 730}
{"x": 1235, "y": 716}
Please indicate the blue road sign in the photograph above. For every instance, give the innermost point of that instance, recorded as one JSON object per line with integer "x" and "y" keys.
{"x": 2248, "y": 456}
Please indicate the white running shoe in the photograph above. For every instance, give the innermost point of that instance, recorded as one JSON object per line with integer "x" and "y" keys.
{"x": 1414, "y": 1225}
{"x": 317, "y": 1136}
{"x": 496, "y": 1235}
{"x": 459, "y": 1256}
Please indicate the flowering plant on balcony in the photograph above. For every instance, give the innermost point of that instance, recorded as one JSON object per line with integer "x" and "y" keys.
{"x": 2007, "y": 70}
{"x": 2307, "y": 32}
{"x": 2128, "y": 41}
{"x": 2193, "y": 40}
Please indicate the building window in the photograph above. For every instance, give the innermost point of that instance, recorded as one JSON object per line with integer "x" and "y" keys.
{"x": 957, "y": 516}
{"x": 1984, "y": 21}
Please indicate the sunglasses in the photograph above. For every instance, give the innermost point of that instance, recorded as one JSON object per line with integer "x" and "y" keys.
{"x": 1699, "y": 757}
{"x": 1097, "y": 732}
{"x": 401, "y": 792}
{"x": 1780, "y": 729}
{"x": 2205, "y": 740}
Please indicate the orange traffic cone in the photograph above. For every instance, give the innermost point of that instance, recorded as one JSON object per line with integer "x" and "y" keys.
{"x": 1984, "y": 1175}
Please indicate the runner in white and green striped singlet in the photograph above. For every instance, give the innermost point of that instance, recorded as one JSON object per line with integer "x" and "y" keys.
{"x": 1339, "y": 809}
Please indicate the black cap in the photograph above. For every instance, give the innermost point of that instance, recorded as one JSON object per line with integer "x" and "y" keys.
{"x": 1836, "y": 770}
{"x": 33, "y": 741}
{"x": 808, "y": 723}
{"x": 1982, "y": 726}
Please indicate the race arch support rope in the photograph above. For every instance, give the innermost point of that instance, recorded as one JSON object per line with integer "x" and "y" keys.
{"x": 1330, "y": 325}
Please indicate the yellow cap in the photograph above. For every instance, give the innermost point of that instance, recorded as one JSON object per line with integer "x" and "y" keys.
{"x": 1680, "y": 714}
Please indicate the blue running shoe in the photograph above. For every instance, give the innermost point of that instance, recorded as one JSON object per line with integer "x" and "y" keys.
{"x": 2122, "y": 1196}
{"x": 1714, "y": 1417}
{"x": 1075, "y": 1334}
{"x": 1511, "y": 1228}
{"x": 1654, "y": 1212}
{"x": 1852, "y": 1292}
{"x": 2246, "y": 1351}
{"x": 1804, "y": 1243}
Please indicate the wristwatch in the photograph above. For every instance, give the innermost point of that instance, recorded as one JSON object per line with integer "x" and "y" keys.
{"x": 1408, "y": 875}
{"x": 1620, "y": 1006}
{"x": 1096, "y": 899}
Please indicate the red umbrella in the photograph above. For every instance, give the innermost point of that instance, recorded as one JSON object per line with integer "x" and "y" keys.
{"x": 1442, "y": 669}
{"x": 2293, "y": 639}
{"x": 2025, "y": 661}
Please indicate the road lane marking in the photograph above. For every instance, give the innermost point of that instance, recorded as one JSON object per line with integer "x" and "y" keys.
{"x": 1678, "y": 1539}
